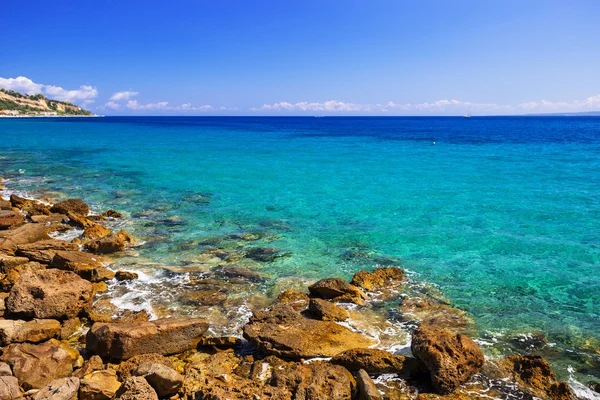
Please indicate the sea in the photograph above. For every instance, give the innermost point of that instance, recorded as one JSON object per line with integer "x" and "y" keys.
{"x": 499, "y": 216}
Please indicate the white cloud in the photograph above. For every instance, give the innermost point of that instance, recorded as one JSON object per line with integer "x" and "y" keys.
{"x": 83, "y": 93}
{"x": 112, "y": 105}
{"x": 134, "y": 105}
{"x": 119, "y": 96}
{"x": 329, "y": 106}
{"x": 21, "y": 84}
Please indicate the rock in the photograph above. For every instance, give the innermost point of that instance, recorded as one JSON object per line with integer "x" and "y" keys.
{"x": 333, "y": 288}
{"x": 10, "y": 219}
{"x": 11, "y": 277}
{"x": 126, "y": 275}
{"x": 204, "y": 298}
{"x": 32, "y": 207}
{"x": 9, "y": 388}
{"x": 380, "y": 277}
{"x": 263, "y": 254}
{"x": 235, "y": 272}
{"x": 127, "y": 368}
{"x": 165, "y": 336}
{"x": 93, "y": 364}
{"x": 77, "y": 206}
{"x": 50, "y": 293}
{"x": 165, "y": 381}
{"x": 450, "y": 359}
{"x": 5, "y": 204}
{"x": 112, "y": 214}
{"x": 28, "y": 233}
{"x": 430, "y": 312}
{"x": 326, "y": 311}
{"x": 88, "y": 266}
{"x": 5, "y": 369}
{"x": 60, "y": 389}
{"x": 44, "y": 250}
{"x": 298, "y": 300}
{"x": 9, "y": 262}
{"x": 366, "y": 387}
{"x": 534, "y": 375}
{"x": 222, "y": 342}
{"x": 284, "y": 332}
{"x": 96, "y": 231}
{"x": 136, "y": 388}
{"x": 80, "y": 221}
{"x": 38, "y": 330}
{"x": 105, "y": 311}
{"x": 52, "y": 219}
{"x": 376, "y": 361}
{"x": 110, "y": 244}
{"x": 99, "y": 385}
{"x": 69, "y": 327}
{"x": 37, "y": 365}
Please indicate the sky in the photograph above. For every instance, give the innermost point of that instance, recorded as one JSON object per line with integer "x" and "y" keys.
{"x": 323, "y": 57}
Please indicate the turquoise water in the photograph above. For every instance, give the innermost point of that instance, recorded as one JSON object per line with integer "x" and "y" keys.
{"x": 503, "y": 214}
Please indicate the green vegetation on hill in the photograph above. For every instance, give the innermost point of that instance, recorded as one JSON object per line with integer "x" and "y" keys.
{"x": 11, "y": 100}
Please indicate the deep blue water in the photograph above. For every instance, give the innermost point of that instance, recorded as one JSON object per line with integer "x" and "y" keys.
{"x": 503, "y": 214}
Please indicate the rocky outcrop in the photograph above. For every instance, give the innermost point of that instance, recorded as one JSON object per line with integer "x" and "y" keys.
{"x": 10, "y": 219}
{"x": 338, "y": 290}
{"x": 28, "y": 233}
{"x": 326, "y": 311}
{"x": 50, "y": 293}
{"x": 31, "y": 207}
{"x": 379, "y": 278}
{"x": 164, "y": 336}
{"x": 164, "y": 380}
{"x": 99, "y": 385}
{"x": 77, "y": 206}
{"x": 110, "y": 244}
{"x": 450, "y": 359}
{"x": 284, "y": 332}
{"x": 376, "y": 361}
{"x": 136, "y": 388}
{"x": 96, "y": 231}
{"x": 298, "y": 300}
{"x": 9, "y": 388}
{"x": 38, "y": 330}
{"x": 44, "y": 250}
{"x": 37, "y": 365}
{"x": 60, "y": 389}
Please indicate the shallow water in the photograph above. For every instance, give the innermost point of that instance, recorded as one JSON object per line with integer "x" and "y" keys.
{"x": 501, "y": 213}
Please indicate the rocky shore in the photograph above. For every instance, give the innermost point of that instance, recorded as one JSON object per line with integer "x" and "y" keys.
{"x": 62, "y": 338}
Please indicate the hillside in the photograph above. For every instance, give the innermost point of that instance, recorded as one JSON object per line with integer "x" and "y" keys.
{"x": 15, "y": 103}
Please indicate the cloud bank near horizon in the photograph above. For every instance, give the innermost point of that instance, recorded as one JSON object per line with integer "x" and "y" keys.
{"x": 123, "y": 102}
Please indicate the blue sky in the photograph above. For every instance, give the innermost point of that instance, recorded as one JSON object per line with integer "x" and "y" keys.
{"x": 307, "y": 57}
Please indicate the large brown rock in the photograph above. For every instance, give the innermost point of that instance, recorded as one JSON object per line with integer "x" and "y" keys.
{"x": 127, "y": 368}
{"x": 380, "y": 277}
{"x": 164, "y": 336}
{"x": 110, "y": 244}
{"x": 9, "y": 262}
{"x": 338, "y": 290}
{"x": 450, "y": 359}
{"x": 88, "y": 266}
{"x": 373, "y": 361}
{"x": 60, "y": 389}
{"x": 298, "y": 300}
{"x": 10, "y": 219}
{"x": 284, "y": 332}
{"x": 77, "y": 206}
{"x": 44, "y": 250}
{"x": 96, "y": 231}
{"x": 9, "y": 388}
{"x": 32, "y": 207}
{"x": 105, "y": 311}
{"x": 28, "y": 233}
{"x": 326, "y": 311}
{"x": 165, "y": 380}
{"x": 37, "y": 365}
{"x": 99, "y": 385}
{"x": 38, "y": 330}
{"x": 366, "y": 387}
{"x": 136, "y": 388}
{"x": 50, "y": 293}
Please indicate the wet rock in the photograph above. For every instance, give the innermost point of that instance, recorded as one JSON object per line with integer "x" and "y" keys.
{"x": 105, "y": 311}
{"x": 136, "y": 388}
{"x": 376, "y": 361}
{"x": 37, "y": 365}
{"x": 284, "y": 332}
{"x": 50, "y": 293}
{"x": 38, "y": 330}
{"x": 9, "y": 388}
{"x": 235, "y": 272}
{"x": 336, "y": 289}
{"x": 28, "y": 233}
{"x": 165, "y": 336}
{"x": 221, "y": 341}
{"x": 94, "y": 363}
{"x": 298, "y": 300}
{"x": 112, "y": 214}
{"x": 326, "y": 311}
{"x": 96, "y": 231}
{"x": 99, "y": 385}
{"x": 110, "y": 244}
{"x": 79, "y": 220}
{"x": 10, "y": 219}
{"x": 534, "y": 375}
{"x": 164, "y": 380}
{"x": 88, "y": 266}
{"x": 32, "y": 207}
{"x": 430, "y": 312}
{"x": 450, "y": 359}
{"x": 51, "y": 219}
{"x": 204, "y": 298}
{"x": 76, "y": 206}
{"x": 125, "y": 276}
{"x": 69, "y": 327}
{"x": 44, "y": 250}
{"x": 366, "y": 387}
{"x": 264, "y": 254}
{"x": 379, "y": 278}
{"x": 230, "y": 256}
{"x": 60, "y": 389}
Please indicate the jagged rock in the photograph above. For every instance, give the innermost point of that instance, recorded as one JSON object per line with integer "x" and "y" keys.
{"x": 380, "y": 277}
{"x": 38, "y": 330}
{"x": 165, "y": 381}
{"x": 375, "y": 361}
{"x": 88, "y": 266}
{"x": 9, "y": 388}
{"x": 37, "y": 365}
{"x": 298, "y": 300}
{"x": 450, "y": 359}
{"x": 126, "y": 275}
{"x": 204, "y": 298}
{"x": 104, "y": 311}
{"x": 222, "y": 341}
{"x": 11, "y": 277}
{"x": 79, "y": 220}
{"x": 96, "y": 231}
{"x": 136, "y": 388}
{"x": 366, "y": 387}
{"x": 99, "y": 385}
{"x": 112, "y": 214}
{"x": 127, "y": 368}
{"x": 28, "y": 233}
{"x": 326, "y": 311}
{"x": 337, "y": 289}
{"x": 93, "y": 364}
{"x": 77, "y": 206}
{"x": 32, "y": 207}
{"x": 44, "y": 250}
{"x": 110, "y": 244}
{"x": 165, "y": 336}
{"x": 60, "y": 389}
{"x": 534, "y": 375}
{"x": 284, "y": 332}
{"x": 50, "y": 293}
{"x": 10, "y": 219}
{"x": 9, "y": 262}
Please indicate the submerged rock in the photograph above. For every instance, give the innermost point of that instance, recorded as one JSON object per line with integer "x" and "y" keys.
{"x": 264, "y": 254}
{"x": 105, "y": 311}
{"x": 430, "y": 312}
{"x": 204, "y": 297}
{"x": 284, "y": 332}
{"x": 450, "y": 359}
